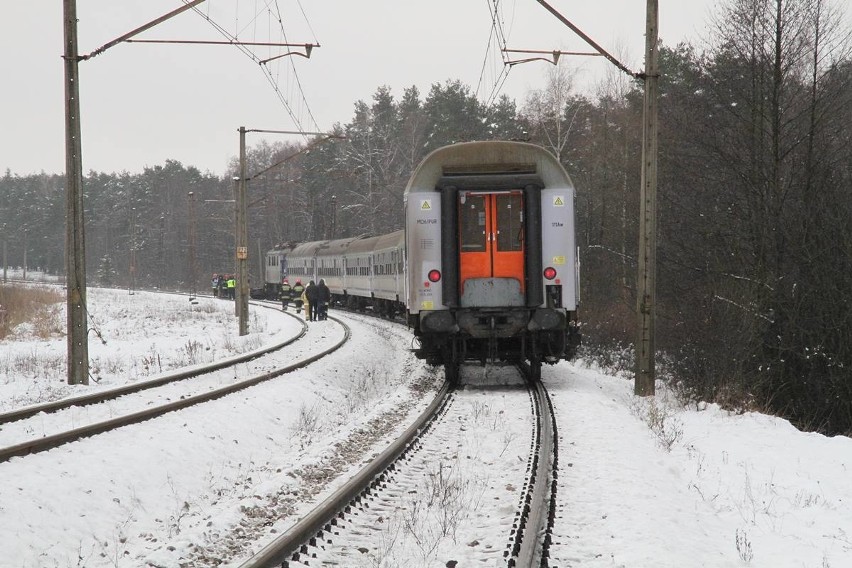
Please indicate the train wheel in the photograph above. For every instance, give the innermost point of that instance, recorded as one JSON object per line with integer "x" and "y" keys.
{"x": 535, "y": 369}
{"x": 451, "y": 363}
{"x": 534, "y": 359}
{"x": 451, "y": 372}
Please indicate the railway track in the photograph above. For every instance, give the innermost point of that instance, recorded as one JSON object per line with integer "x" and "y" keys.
{"x": 518, "y": 541}
{"x": 421, "y": 474}
{"x": 113, "y": 393}
{"x": 58, "y": 423}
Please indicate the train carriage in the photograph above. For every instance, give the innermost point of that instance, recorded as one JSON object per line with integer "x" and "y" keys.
{"x": 388, "y": 273}
{"x": 331, "y": 265}
{"x": 302, "y": 261}
{"x": 486, "y": 268}
{"x": 492, "y": 261}
{"x": 276, "y": 270}
{"x": 359, "y": 274}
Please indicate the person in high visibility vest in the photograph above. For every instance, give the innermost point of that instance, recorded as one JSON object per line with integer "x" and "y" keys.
{"x": 232, "y": 287}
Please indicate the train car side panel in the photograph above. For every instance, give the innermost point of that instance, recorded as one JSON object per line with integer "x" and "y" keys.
{"x": 423, "y": 246}
{"x": 558, "y": 247}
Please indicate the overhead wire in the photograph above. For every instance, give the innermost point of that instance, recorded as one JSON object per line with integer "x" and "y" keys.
{"x": 487, "y": 51}
{"x": 293, "y": 65}
{"x": 307, "y": 21}
{"x": 270, "y": 77}
{"x": 497, "y": 37}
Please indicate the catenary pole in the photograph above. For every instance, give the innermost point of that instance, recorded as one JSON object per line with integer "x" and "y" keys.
{"x": 242, "y": 240}
{"x": 193, "y": 259}
{"x": 75, "y": 250}
{"x": 646, "y": 292}
{"x": 645, "y": 374}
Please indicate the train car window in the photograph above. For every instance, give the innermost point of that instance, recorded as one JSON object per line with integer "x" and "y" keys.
{"x": 510, "y": 222}
{"x": 472, "y": 224}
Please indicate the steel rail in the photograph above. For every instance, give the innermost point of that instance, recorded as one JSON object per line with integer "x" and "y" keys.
{"x": 530, "y": 539}
{"x": 113, "y": 393}
{"x": 279, "y": 550}
{"x": 61, "y": 438}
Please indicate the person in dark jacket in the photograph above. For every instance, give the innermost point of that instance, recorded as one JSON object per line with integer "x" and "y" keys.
{"x": 284, "y": 294}
{"x": 298, "y": 288}
{"x": 323, "y": 299}
{"x": 311, "y": 294}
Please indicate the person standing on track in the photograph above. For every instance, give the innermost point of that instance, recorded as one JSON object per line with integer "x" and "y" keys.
{"x": 298, "y": 290}
{"x": 323, "y": 299}
{"x": 284, "y": 294}
{"x": 311, "y": 301}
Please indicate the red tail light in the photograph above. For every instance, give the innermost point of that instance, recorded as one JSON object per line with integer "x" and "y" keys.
{"x": 550, "y": 273}
{"x": 434, "y": 275}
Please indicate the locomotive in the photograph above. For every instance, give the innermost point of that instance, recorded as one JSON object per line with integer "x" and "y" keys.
{"x": 486, "y": 269}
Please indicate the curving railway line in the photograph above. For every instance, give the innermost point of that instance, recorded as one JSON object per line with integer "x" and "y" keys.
{"x": 397, "y": 489}
{"x": 42, "y": 427}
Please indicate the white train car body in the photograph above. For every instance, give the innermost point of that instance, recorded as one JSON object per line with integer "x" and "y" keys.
{"x": 492, "y": 260}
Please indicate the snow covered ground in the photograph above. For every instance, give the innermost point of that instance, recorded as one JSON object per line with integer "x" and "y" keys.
{"x": 643, "y": 483}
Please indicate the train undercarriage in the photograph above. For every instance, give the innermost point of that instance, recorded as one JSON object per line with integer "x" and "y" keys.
{"x": 497, "y": 336}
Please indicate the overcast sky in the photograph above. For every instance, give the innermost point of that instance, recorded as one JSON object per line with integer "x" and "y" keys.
{"x": 145, "y": 103}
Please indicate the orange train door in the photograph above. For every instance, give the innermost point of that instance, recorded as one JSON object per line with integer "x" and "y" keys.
{"x": 491, "y": 236}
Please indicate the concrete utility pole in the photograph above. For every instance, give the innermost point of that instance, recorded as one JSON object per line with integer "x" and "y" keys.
{"x": 645, "y": 376}
{"x": 261, "y": 261}
{"x": 241, "y": 221}
{"x": 131, "y": 284}
{"x": 242, "y": 240}
{"x": 333, "y": 232}
{"x": 644, "y": 384}
{"x": 193, "y": 264}
{"x": 75, "y": 249}
{"x": 26, "y": 245}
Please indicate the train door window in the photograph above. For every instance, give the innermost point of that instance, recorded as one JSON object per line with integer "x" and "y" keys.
{"x": 472, "y": 222}
{"x": 510, "y": 221}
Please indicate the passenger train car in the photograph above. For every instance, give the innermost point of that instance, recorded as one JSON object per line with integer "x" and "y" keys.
{"x": 360, "y": 272}
{"x": 486, "y": 268}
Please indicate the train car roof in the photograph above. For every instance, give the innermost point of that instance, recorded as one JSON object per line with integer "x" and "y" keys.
{"x": 397, "y": 238}
{"x": 496, "y": 158}
{"x": 336, "y": 247}
{"x": 282, "y": 249}
{"x": 307, "y": 249}
{"x": 370, "y": 244}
